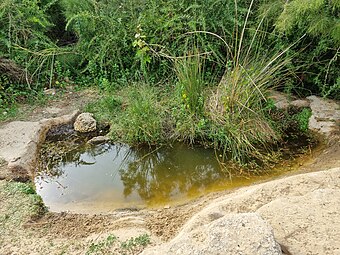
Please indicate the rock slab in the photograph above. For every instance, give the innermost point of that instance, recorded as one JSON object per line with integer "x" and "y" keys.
{"x": 309, "y": 224}
{"x": 325, "y": 116}
{"x": 19, "y": 145}
{"x": 303, "y": 211}
{"x": 244, "y": 233}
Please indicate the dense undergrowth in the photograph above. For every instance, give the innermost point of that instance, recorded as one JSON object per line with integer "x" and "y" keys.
{"x": 196, "y": 71}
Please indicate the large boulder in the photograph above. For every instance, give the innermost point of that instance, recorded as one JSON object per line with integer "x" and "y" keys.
{"x": 243, "y": 233}
{"x": 85, "y": 123}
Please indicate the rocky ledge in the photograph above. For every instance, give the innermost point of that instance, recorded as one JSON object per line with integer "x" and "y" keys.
{"x": 300, "y": 212}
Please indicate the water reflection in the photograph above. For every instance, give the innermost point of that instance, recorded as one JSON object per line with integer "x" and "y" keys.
{"x": 119, "y": 175}
{"x": 168, "y": 172}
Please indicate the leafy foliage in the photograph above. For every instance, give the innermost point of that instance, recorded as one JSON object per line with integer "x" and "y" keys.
{"x": 201, "y": 69}
{"x": 316, "y": 57}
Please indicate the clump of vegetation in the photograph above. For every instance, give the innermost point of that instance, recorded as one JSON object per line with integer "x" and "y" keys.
{"x": 112, "y": 245}
{"x": 25, "y": 188}
{"x": 96, "y": 248}
{"x": 303, "y": 119}
{"x": 134, "y": 242}
{"x": 190, "y": 74}
{"x": 37, "y": 207}
{"x": 142, "y": 120}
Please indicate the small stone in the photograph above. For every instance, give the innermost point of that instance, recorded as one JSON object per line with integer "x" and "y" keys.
{"x": 167, "y": 207}
{"x": 85, "y": 123}
{"x": 98, "y": 140}
{"x": 280, "y": 100}
{"x": 50, "y": 92}
{"x": 300, "y": 103}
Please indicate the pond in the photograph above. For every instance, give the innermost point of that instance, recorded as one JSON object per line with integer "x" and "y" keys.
{"x": 102, "y": 178}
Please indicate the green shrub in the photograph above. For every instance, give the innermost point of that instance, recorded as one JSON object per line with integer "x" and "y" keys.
{"x": 143, "y": 117}
{"x": 28, "y": 61}
{"x": 303, "y": 119}
{"x": 317, "y": 54}
{"x": 132, "y": 39}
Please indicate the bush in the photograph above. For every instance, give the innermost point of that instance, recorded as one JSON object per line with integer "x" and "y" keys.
{"x": 317, "y": 54}
{"x": 142, "y": 120}
{"x": 134, "y": 38}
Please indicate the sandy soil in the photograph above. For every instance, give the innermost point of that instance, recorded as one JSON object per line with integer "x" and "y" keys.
{"x": 22, "y": 232}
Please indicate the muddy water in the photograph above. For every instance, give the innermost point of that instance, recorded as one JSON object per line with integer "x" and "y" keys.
{"x": 107, "y": 177}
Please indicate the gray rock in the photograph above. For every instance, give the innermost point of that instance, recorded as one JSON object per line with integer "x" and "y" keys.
{"x": 243, "y": 233}
{"x": 325, "y": 115}
{"x": 284, "y": 101}
{"x": 98, "y": 140}
{"x": 300, "y": 103}
{"x": 85, "y": 123}
{"x": 280, "y": 99}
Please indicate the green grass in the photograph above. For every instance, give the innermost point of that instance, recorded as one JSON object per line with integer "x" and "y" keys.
{"x": 96, "y": 248}
{"x": 190, "y": 74}
{"x": 112, "y": 245}
{"x": 37, "y": 207}
{"x": 9, "y": 112}
{"x": 106, "y": 108}
{"x": 142, "y": 240}
{"x": 142, "y": 120}
{"x": 137, "y": 114}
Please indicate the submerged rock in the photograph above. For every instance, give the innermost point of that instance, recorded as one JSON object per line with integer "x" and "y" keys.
{"x": 85, "y": 123}
{"x": 243, "y": 233}
{"x": 98, "y": 140}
